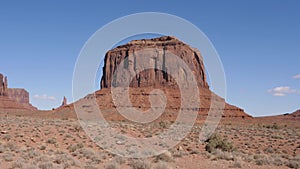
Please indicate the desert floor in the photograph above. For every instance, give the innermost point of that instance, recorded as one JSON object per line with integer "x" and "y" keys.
{"x": 45, "y": 143}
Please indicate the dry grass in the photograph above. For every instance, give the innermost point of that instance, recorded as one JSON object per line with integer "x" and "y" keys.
{"x": 141, "y": 164}
{"x": 113, "y": 165}
{"x": 32, "y": 143}
{"x": 162, "y": 165}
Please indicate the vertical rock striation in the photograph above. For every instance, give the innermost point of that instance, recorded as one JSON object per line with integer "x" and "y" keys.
{"x": 159, "y": 52}
{"x": 3, "y": 85}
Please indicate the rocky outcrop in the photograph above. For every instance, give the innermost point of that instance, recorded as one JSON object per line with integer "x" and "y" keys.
{"x": 13, "y": 98}
{"x": 159, "y": 54}
{"x": 143, "y": 83}
{"x": 3, "y": 85}
{"x": 19, "y": 95}
{"x": 64, "y": 102}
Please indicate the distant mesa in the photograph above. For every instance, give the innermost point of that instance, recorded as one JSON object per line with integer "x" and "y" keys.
{"x": 142, "y": 82}
{"x": 294, "y": 116}
{"x": 13, "y": 98}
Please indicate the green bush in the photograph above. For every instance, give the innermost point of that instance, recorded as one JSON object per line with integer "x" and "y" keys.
{"x": 216, "y": 142}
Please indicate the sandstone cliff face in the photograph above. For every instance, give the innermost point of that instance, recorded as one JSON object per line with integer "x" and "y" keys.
{"x": 143, "y": 82}
{"x": 3, "y": 85}
{"x": 11, "y": 98}
{"x": 19, "y": 95}
{"x": 160, "y": 52}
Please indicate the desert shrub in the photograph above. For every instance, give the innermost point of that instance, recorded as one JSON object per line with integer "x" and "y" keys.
{"x": 18, "y": 164}
{"x": 277, "y": 161}
{"x": 258, "y": 156}
{"x": 273, "y": 126}
{"x": 140, "y": 164}
{"x": 120, "y": 160}
{"x": 269, "y": 150}
{"x": 293, "y": 164}
{"x": 51, "y": 141}
{"x": 262, "y": 161}
{"x": 31, "y": 166}
{"x": 8, "y": 156}
{"x": 42, "y": 147}
{"x": 236, "y": 164}
{"x": 163, "y": 124}
{"x": 77, "y": 127}
{"x": 11, "y": 146}
{"x": 65, "y": 118}
{"x": 162, "y": 165}
{"x": 90, "y": 167}
{"x": 89, "y": 154}
{"x": 166, "y": 156}
{"x": 31, "y": 153}
{"x": 65, "y": 160}
{"x": 2, "y": 149}
{"x": 216, "y": 142}
{"x": 75, "y": 147}
{"x": 46, "y": 165}
{"x": 112, "y": 166}
{"x": 219, "y": 154}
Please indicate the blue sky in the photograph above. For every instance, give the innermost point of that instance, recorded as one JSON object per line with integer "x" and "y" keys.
{"x": 257, "y": 41}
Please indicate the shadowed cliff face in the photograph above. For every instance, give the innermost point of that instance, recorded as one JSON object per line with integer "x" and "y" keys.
{"x": 3, "y": 85}
{"x": 161, "y": 55}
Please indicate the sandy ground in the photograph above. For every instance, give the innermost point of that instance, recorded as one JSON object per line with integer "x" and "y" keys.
{"x": 38, "y": 142}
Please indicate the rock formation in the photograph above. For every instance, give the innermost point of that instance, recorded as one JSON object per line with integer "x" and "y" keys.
{"x": 64, "y": 102}
{"x": 143, "y": 82}
{"x": 13, "y": 98}
{"x": 3, "y": 85}
{"x": 159, "y": 51}
{"x": 64, "y": 105}
{"x": 19, "y": 95}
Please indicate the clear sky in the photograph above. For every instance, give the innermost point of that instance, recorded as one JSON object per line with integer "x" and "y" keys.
{"x": 258, "y": 43}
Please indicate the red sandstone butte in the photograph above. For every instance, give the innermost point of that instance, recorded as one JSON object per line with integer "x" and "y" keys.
{"x": 144, "y": 81}
{"x": 12, "y": 98}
